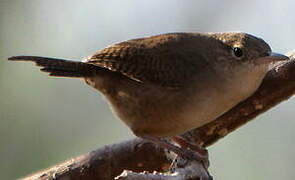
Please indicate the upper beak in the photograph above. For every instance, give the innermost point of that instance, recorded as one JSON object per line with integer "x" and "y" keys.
{"x": 273, "y": 57}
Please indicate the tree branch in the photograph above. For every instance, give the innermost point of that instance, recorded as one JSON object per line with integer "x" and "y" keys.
{"x": 138, "y": 155}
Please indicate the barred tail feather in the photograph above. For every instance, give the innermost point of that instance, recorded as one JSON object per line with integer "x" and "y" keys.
{"x": 60, "y": 67}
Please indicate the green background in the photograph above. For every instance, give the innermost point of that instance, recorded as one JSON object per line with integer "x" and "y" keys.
{"x": 45, "y": 120}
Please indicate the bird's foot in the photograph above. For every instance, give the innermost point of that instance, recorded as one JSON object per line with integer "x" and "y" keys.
{"x": 187, "y": 154}
{"x": 186, "y": 144}
{"x": 201, "y": 152}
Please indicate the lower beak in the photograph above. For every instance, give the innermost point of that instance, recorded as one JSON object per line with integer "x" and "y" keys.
{"x": 273, "y": 57}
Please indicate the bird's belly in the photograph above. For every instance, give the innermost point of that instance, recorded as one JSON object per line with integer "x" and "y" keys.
{"x": 162, "y": 113}
{"x": 187, "y": 113}
{"x": 179, "y": 121}
{"x": 184, "y": 117}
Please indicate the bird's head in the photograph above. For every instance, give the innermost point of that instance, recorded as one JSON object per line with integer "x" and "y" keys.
{"x": 244, "y": 50}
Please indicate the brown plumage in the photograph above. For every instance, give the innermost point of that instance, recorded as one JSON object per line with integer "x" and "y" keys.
{"x": 164, "y": 60}
{"x": 60, "y": 67}
{"x": 167, "y": 84}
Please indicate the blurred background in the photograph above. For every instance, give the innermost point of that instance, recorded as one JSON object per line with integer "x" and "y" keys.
{"x": 44, "y": 121}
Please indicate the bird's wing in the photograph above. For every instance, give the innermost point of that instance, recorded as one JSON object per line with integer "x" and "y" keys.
{"x": 166, "y": 60}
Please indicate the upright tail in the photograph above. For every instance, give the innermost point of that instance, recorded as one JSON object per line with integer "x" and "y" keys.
{"x": 60, "y": 67}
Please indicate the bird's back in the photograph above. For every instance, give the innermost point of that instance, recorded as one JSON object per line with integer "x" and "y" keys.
{"x": 167, "y": 60}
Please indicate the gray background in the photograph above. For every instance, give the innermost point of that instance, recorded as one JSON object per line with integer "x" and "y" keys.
{"x": 45, "y": 120}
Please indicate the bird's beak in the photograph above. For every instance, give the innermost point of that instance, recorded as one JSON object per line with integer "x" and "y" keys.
{"x": 273, "y": 57}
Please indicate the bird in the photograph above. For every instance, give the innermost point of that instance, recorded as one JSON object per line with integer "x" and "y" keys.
{"x": 164, "y": 85}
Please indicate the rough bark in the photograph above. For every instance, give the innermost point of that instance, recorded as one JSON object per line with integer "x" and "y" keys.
{"x": 140, "y": 157}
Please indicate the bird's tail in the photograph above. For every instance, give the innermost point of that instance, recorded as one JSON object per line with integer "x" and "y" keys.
{"x": 60, "y": 67}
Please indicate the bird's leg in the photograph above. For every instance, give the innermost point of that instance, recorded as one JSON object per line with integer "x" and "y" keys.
{"x": 182, "y": 152}
{"x": 195, "y": 147}
{"x": 202, "y": 152}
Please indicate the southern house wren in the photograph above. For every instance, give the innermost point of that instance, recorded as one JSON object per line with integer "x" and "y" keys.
{"x": 165, "y": 85}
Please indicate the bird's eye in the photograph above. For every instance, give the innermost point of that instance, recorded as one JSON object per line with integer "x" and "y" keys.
{"x": 237, "y": 52}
